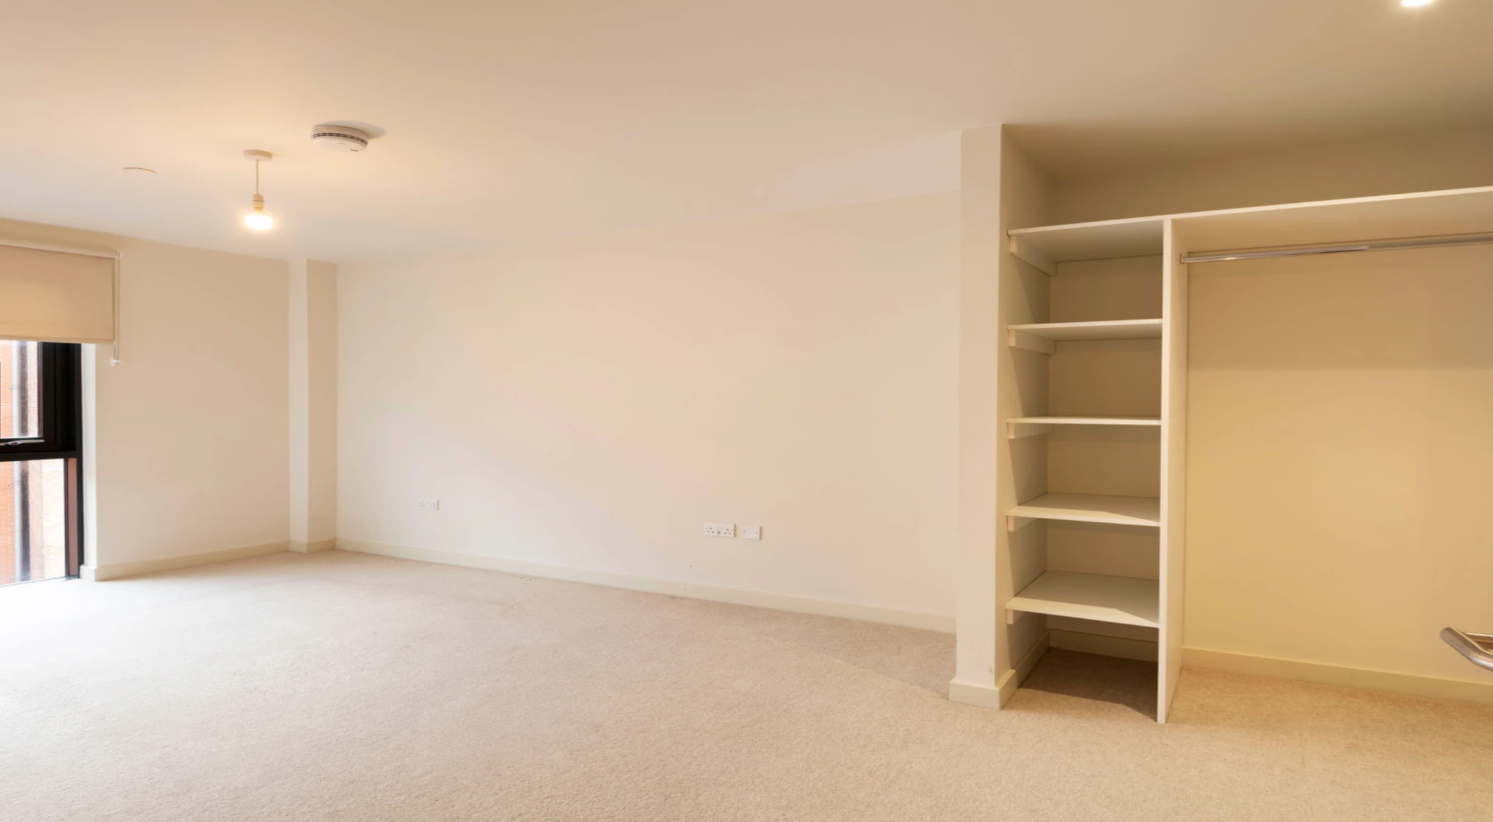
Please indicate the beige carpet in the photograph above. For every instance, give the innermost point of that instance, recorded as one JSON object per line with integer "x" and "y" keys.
{"x": 347, "y": 687}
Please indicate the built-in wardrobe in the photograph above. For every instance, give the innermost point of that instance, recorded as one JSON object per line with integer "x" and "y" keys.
{"x": 1074, "y": 405}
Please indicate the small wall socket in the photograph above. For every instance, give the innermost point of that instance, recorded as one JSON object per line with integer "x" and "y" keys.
{"x": 430, "y": 504}
{"x": 720, "y": 529}
{"x": 751, "y": 532}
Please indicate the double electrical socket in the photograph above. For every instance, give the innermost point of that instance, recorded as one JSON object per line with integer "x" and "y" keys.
{"x": 728, "y": 530}
{"x": 430, "y": 504}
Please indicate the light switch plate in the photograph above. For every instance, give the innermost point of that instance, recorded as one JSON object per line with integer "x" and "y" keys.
{"x": 751, "y": 532}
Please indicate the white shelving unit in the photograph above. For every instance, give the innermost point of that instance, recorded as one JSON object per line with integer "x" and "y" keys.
{"x": 1070, "y": 347}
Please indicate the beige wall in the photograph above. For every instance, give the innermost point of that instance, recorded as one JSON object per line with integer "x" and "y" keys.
{"x": 1341, "y": 458}
{"x": 191, "y": 428}
{"x": 591, "y": 402}
{"x": 1338, "y": 429}
{"x": 1361, "y": 168}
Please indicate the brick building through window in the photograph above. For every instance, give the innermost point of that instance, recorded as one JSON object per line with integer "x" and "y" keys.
{"x": 33, "y": 502}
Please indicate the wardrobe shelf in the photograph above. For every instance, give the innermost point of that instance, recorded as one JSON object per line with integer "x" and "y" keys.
{"x": 1145, "y": 511}
{"x": 1088, "y": 420}
{"x": 1045, "y": 246}
{"x": 1352, "y": 220}
{"x": 1018, "y": 427}
{"x": 1120, "y": 600}
{"x": 1103, "y": 330}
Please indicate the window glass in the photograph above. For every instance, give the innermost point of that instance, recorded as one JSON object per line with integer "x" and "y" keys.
{"x": 20, "y": 389}
{"x": 33, "y": 520}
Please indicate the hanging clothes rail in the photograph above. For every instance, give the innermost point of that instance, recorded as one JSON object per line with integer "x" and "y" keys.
{"x": 1376, "y": 245}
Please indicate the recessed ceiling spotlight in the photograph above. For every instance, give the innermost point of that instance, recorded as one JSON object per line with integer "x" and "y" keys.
{"x": 140, "y": 169}
{"x": 339, "y": 138}
{"x": 256, "y": 218}
{"x": 1414, "y": 3}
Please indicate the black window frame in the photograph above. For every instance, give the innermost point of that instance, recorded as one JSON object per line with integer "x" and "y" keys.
{"x": 60, "y": 386}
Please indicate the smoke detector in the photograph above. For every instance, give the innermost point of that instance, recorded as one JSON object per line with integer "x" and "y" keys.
{"x": 339, "y": 138}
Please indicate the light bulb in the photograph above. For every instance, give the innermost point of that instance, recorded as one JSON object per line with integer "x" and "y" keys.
{"x": 1414, "y": 3}
{"x": 257, "y": 219}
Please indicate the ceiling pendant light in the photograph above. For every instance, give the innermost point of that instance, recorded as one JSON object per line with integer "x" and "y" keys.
{"x": 257, "y": 219}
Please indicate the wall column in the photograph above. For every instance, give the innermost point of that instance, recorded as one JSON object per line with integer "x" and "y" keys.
{"x": 313, "y": 405}
{"x": 979, "y": 432}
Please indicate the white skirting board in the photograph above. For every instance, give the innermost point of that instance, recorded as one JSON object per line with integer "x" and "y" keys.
{"x": 690, "y": 590}
{"x": 1021, "y": 670}
{"x": 1466, "y": 691}
{"x": 1141, "y": 649}
{"x": 312, "y": 547}
{"x": 986, "y": 696}
{"x": 100, "y": 573}
{"x": 968, "y": 693}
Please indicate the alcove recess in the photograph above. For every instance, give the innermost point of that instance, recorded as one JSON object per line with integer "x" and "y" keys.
{"x": 1074, "y": 399}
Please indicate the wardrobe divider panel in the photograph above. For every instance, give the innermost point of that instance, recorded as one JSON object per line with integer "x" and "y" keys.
{"x": 1173, "y": 466}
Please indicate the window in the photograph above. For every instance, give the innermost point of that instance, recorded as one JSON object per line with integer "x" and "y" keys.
{"x": 40, "y": 438}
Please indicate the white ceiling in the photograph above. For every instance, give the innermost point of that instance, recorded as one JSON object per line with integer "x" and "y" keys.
{"x": 512, "y": 120}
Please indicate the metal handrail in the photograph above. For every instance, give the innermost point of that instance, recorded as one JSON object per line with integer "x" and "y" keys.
{"x": 1478, "y": 648}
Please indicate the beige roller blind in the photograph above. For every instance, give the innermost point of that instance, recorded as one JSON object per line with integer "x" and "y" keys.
{"x": 56, "y": 296}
